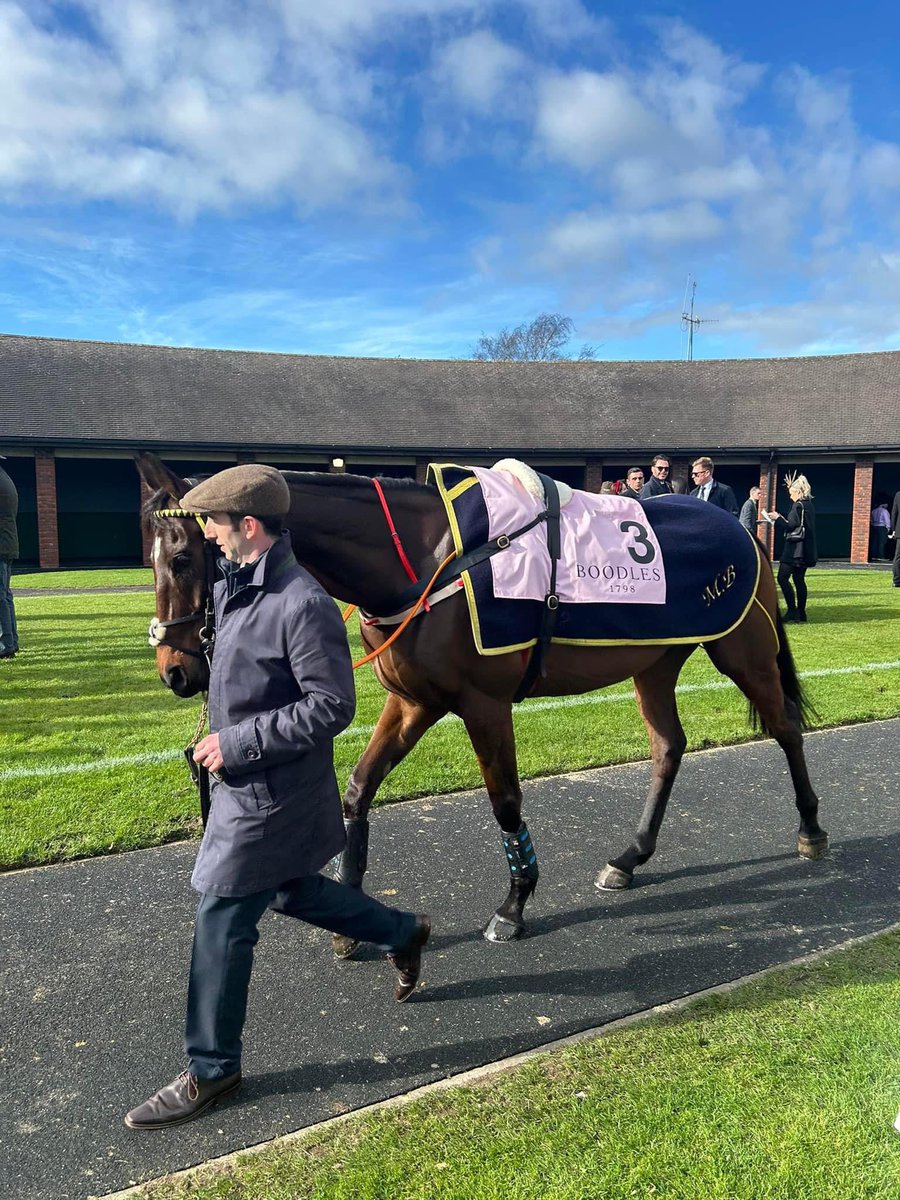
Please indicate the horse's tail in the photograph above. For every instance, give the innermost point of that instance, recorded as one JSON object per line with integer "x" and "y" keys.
{"x": 794, "y": 694}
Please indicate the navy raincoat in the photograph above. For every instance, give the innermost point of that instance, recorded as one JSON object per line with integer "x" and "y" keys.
{"x": 281, "y": 689}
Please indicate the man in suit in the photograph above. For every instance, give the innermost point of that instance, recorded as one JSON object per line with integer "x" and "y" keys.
{"x": 280, "y": 691}
{"x": 894, "y": 533}
{"x": 659, "y": 483}
{"x": 749, "y": 515}
{"x": 634, "y": 481}
{"x": 709, "y": 489}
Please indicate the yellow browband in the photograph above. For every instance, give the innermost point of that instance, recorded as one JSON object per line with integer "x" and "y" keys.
{"x": 180, "y": 512}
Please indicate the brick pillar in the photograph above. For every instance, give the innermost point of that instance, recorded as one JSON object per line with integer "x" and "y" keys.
{"x": 593, "y": 474}
{"x": 862, "y": 511}
{"x": 768, "y": 486}
{"x": 48, "y": 529}
{"x": 146, "y": 535}
{"x": 421, "y": 469}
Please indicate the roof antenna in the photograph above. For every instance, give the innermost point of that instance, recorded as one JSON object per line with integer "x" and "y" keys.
{"x": 688, "y": 320}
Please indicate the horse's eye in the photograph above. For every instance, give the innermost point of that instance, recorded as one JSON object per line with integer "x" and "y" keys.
{"x": 181, "y": 564}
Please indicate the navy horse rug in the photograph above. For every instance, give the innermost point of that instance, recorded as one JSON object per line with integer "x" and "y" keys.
{"x": 665, "y": 570}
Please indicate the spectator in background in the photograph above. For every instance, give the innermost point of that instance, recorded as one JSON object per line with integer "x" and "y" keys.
{"x": 659, "y": 483}
{"x": 9, "y": 552}
{"x": 709, "y": 489}
{"x": 634, "y": 481}
{"x": 607, "y": 488}
{"x": 749, "y": 515}
{"x": 894, "y": 533}
{"x": 799, "y": 551}
{"x": 880, "y": 524}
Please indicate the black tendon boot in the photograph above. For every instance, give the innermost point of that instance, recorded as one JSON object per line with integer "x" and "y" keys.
{"x": 353, "y": 859}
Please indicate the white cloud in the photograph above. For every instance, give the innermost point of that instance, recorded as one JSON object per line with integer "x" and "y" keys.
{"x": 568, "y": 21}
{"x": 589, "y": 239}
{"x": 880, "y": 166}
{"x": 584, "y": 119}
{"x": 168, "y": 106}
{"x": 478, "y": 70}
{"x": 698, "y": 86}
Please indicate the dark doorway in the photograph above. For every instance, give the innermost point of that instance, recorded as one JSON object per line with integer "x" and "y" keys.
{"x": 21, "y": 472}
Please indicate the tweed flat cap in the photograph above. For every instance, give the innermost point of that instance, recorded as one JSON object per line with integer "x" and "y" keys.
{"x": 252, "y": 490}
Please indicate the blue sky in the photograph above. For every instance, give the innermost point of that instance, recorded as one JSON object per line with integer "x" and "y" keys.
{"x": 395, "y": 177}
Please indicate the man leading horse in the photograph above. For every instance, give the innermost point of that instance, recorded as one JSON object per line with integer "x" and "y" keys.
{"x": 280, "y": 691}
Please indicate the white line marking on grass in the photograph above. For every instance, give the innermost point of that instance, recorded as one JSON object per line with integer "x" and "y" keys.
{"x": 529, "y": 706}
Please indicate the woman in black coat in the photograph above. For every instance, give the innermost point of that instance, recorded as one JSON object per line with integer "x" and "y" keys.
{"x": 797, "y": 554}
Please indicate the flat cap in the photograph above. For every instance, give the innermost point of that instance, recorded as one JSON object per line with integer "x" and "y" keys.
{"x": 251, "y": 490}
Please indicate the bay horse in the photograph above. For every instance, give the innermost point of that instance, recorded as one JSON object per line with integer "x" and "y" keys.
{"x": 341, "y": 537}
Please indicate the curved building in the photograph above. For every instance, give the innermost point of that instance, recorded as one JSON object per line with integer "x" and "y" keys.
{"x": 72, "y": 413}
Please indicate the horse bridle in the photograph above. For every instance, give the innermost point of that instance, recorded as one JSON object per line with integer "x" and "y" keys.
{"x": 206, "y": 614}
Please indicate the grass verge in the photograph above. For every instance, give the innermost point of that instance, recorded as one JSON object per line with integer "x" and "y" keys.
{"x": 782, "y": 1089}
{"x": 89, "y": 738}
{"x": 103, "y": 577}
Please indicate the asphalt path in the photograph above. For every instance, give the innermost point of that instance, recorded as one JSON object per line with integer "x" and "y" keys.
{"x": 95, "y": 953}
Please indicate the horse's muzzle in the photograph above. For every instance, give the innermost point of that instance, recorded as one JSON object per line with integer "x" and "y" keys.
{"x": 176, "y": 678}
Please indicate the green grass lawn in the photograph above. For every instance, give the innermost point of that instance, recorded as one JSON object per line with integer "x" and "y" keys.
{"x": 783, "y": 1089}
{"x": 84, "y": 693}
{"x": 64, "y": 581}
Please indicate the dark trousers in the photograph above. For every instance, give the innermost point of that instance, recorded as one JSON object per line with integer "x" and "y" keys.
{"x": 9, "y": 635}
{"x": 797, "y": 572}
{"x": 225, "y": 934}
{"x": 896, "y": 568}
{"x": 877, "y": 543}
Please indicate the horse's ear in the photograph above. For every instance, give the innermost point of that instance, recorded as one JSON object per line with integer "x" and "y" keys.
{"x": 158, "y": 477}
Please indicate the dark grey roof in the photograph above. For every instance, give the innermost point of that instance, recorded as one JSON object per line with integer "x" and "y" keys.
{"x": 113, "y": 394}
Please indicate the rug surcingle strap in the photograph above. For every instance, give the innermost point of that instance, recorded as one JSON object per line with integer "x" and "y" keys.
{"x": 551, "y": 600}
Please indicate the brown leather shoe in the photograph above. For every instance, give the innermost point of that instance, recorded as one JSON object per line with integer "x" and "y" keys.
{"x": 181, "y": 1100}
{"x": 408, "y": 959}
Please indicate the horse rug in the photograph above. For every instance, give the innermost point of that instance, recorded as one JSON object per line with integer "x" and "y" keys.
{"x": 668, "y": 569}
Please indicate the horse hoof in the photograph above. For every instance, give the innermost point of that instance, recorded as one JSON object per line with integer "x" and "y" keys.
{"x": 812, "y": 847}
{"x": 499, "y": 929}
{"x": 611, "y": 879}
{"x": 344, "y": 947}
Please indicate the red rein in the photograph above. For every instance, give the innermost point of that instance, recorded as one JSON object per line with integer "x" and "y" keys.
{"x": 398, "y": 545}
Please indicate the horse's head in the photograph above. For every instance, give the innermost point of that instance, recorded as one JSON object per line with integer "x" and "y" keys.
{"x": 181, "y": 576}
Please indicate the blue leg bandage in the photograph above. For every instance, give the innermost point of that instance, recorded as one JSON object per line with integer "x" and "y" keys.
{"x": 520, "y": 854}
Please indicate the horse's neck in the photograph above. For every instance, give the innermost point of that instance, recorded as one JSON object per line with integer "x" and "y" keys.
{"x": 340, "y": 534}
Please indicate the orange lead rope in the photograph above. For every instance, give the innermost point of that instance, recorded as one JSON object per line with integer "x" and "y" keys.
{"x": 421, "y": 600}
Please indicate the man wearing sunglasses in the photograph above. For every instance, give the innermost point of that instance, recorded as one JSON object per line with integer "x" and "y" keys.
{"x": 659, "y": 483}
{"x": 709, "y": 489}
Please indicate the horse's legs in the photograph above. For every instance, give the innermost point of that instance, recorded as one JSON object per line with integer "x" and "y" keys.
{"x": 400, "y": 726}
{"x": 762, "y": 682}
{"x": 490, "y": 728}
{"x": 655, "y": 690}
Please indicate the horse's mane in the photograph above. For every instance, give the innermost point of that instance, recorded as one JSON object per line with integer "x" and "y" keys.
{"x": 341, "y": 480}
{"x": 163, "y": 497}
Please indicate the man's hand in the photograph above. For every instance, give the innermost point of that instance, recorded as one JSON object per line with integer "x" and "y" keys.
{"x": 208, "y": 754}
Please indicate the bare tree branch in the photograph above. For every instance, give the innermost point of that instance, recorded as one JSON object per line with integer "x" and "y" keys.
{"x": 541, "y": 340}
